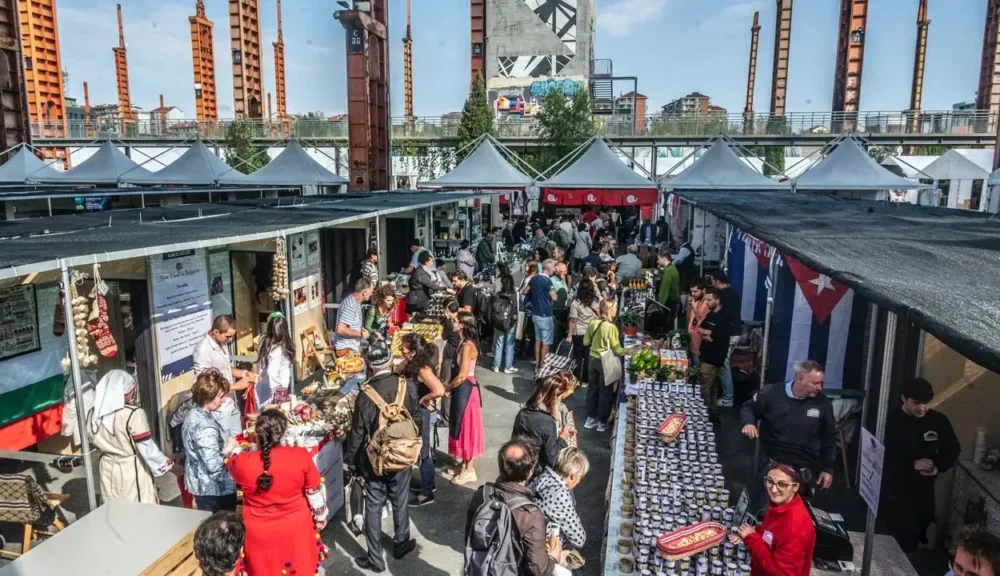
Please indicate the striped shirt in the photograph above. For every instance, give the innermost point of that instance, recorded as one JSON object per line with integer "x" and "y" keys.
{"x": 350, "y": 315}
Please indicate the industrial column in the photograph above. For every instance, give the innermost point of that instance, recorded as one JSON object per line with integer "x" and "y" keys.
{"x": 87, "y": 129}
{"x": 478, "y": 39}
{"x": 919, "y": 57}
{"x": 43, "y": 71}
{"x": 850, "y": 64}
{"x": 244, "y": 33}
{"x": 782, "y": 41}
{"x": 279, "y": 69}
{"x": 408, "y": 70}
{"x": 367, "y": 95}
{"x": 988, "y": 96}
{"x": 121, "y": 77}
{"x": 203, "y": 57}
{"x": 752, "y": 75}
{"x": 14, "y": 123}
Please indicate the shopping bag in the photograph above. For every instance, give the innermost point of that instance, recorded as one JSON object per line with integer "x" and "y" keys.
{"x": 521, "y": 319}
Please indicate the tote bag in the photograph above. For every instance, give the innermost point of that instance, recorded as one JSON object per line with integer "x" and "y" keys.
{"x": 611, "y": 364}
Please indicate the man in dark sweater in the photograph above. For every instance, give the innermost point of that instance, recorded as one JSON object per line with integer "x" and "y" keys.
{"x": 732, "y": 305}
{"x": 797, "y": 424}
{"x": 920, "y": 444}
{"x": 379, "y": 489}
{"x": 714, "y": 331}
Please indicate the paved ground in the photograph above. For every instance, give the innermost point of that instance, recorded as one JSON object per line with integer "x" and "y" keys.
{"x": 439, "y": 528}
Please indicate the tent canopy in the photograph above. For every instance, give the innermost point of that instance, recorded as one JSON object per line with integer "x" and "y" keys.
{"x": 720, "y": 168}
{"x": 849, "y": 167}
{"x": 293, "y": 167}
{"x": 107, "y": 166}
{"x": 598, "y": 168}
{"x": 484, "y": 168}
{"x": 22, "y": 163}
{"x": 955, "y": 166}
{"x": 198, "y": 166}
{"x": 931, "y": 266}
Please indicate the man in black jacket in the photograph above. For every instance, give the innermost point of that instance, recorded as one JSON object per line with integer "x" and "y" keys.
{"x": 920, "y": 444}
{"x": 379, "y": 489}
{"x": 423, "y": 283}
{"x": 797, "y": 424}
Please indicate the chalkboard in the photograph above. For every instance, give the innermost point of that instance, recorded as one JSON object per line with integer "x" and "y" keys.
{"x": 18, "y": 321}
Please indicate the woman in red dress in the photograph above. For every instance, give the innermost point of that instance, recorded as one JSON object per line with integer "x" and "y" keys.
{"x": 284, "y": 503}
{"x": 783, "y": 544}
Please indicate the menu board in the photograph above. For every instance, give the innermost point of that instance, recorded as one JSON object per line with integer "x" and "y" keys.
{"x": 18, "y": 321}
{"x": 181, "y": 308}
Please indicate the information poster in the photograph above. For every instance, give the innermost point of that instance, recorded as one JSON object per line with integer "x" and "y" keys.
{"x": 872, "y": 456}
{"x": 300, "y": 298}
{"x": 18, "y": 321}
{"x": 220, "y": 282}
{"x": 315, "y": 285}
{"x": 181, "y": 308}
{"x": 297, "y": 245}
{"x": 312, "y": 248}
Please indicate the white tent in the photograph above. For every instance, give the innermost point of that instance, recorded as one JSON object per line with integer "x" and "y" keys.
{"x": 598, "y": 167}
{"x": 22, "y": 163}
{"x": 850, "y": 172}
{"x": 198, "y": 166}
{"x": 485, "y": 167}
{"x": 293, "y": 167}
{"x": 961, "y": 174}
{"x": 720, "y": 168}
{"x": 107, "y": 166}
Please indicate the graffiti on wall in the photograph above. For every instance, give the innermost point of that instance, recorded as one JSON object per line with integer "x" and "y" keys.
{"x": 526, "y": 101}
{"x": 558, "y": 16}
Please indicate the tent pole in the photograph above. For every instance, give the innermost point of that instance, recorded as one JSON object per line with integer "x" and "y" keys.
{"x": 772, "y": 278}
{"x": 725, "y": 254}
{"x": 704, "y": 224}
{"x": 871, "y": 324}
{"x": 49, "y": 199}
{"x": 883, "y": 408}
{"x": 512, "y": 155}
{"x": 74, "y": 362}
{"x": 290, "y": 304}
{"x": 685, "y": 159}
{"x": 560, "y": 163}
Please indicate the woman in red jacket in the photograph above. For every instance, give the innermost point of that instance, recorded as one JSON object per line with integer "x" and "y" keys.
{"x": 783, "y": 544}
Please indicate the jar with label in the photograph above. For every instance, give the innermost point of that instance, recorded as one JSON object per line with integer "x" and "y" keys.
{"x": 717, "y": 568}
{"x": 702, "y": 569}
{"x": 744, "y": 569}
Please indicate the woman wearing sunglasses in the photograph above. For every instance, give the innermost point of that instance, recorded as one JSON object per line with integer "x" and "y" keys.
{"x": 783, "y": 544}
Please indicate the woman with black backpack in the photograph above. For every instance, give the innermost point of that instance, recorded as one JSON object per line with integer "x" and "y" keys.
{"x": 505, "y": 325}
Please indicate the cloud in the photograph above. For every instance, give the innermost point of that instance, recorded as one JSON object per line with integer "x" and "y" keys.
{"x": 619, "y": 18}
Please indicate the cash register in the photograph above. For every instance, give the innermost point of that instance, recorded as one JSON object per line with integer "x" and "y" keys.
{"x": 832, "y": 541}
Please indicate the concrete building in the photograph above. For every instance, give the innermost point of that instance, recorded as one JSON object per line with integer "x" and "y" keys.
{"x": 632, "y": 104}
{"x": 538, "y": 39}
{"x": 694, "y": 105}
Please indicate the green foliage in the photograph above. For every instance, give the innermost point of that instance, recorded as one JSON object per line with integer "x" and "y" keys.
{"x": 877, "y": 153}
{"x": 773, "y": 156}
{"x": 930, "y": 150}
{"x": 316, "y": 125}
{"x": 241, "y": 151}
{"x": 477, "y": 117}
{"x": 561, "y": 125}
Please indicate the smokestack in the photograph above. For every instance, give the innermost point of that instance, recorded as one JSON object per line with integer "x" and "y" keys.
{"x": 86, "y": 110}
{"x": 752, "y": 75}
{"x": 850, "y": 61}
{"x": 782, "y": 41}
{"x": 919, "y": 56}
{"x": 121, "y": 28}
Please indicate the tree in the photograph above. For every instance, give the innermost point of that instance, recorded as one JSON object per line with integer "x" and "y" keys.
{"x": 241, "y": 151}
{"x": 477, "y": 117}
{"x": 877, "y": 153}
{"x": 774, "y": 158}
{"x": 562, "y": 125}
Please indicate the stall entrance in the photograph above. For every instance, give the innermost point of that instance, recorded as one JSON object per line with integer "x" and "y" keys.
{"x": 252, "y": 304}
{"x": 399, "y": 233}
{"x": 343, "y": 249}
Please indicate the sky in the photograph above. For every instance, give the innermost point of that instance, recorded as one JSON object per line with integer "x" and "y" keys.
{"x": 673, "y": 46}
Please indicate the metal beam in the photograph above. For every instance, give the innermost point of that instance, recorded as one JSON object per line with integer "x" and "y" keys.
{"x": 752, "y": 75}
{"x": 782, "y": 44}
{"x": 850, "y": 61}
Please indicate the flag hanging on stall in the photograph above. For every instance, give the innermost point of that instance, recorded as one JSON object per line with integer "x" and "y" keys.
{"x": 816, "y": 318}
{"x": 749, "y": 259}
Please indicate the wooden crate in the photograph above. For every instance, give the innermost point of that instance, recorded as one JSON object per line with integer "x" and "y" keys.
{"x": 178, "y": 561}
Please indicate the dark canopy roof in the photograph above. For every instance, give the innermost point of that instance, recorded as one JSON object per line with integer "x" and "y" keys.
{"x": 16, "y": 169}
{"x": 598, "y": 167}
{"x": 484, "y": 168}
{"x": 293, "y": 167}
{"x": 849, "y": 167}
{"x": 935, "y": 267}
{"x": 107, "y": 166}
{"x": 720, "y": 168}
{"x": 197, "y": 166}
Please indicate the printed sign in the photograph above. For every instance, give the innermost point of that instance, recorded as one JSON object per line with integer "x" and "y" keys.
{"x": 872, "y": 456}
{"x": 297, "y": 245}
{"x": 315, "y": 285}
{"x": 300, "y": 298}
{"x": 181, "y": 308}
{"x": 18, "y": 321}
{"x": 312, "y": 248}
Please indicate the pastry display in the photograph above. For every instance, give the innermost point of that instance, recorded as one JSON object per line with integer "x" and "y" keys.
{"x": 350, "y": 364}
{"x": 671, "y": 427}
{"x": 690, "y": 540}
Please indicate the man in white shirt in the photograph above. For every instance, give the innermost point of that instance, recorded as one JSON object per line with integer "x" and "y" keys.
{"x": 349, "y": 332}
{"x": 213, "y": 353}
{"x": 415, "y": 249}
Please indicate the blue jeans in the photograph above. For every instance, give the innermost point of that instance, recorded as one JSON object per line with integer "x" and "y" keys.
{"x": 726, "y": 373}
{"x": 503, "y": 344}
{"x": 427, "y": 434}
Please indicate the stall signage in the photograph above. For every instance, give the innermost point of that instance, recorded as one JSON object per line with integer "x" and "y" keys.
{"x": 872, "y": 456}
{"x": 181, "y": 308}
{"x": 18, "y": 321}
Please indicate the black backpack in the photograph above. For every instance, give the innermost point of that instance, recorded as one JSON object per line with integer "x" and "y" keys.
{"x": 490, "y": 542}
{"x": 504, "y": 313}
{"x": 482, "y": 307}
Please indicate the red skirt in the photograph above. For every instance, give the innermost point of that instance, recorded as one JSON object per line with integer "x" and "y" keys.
{"x": 471, "y": 440}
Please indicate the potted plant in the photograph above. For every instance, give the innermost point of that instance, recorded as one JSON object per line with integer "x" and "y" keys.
{"x": 693, "y": 372}
{"x": 665, "y": 374}
{"x": 630, "y": 324}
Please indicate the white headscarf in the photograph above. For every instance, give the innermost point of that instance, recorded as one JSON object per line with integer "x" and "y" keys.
{"x": 110, "y": 398}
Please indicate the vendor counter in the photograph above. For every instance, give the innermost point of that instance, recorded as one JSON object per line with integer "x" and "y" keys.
{"x": 887, "y": 560}
{"x": 118, "y": 538}
{"x": 975, "y": 498}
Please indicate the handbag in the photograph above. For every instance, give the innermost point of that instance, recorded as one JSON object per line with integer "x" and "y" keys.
{"x": 611, "y": 366}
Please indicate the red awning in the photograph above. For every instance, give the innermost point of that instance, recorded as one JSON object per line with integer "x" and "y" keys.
{"x": 600, "y": 197}
{"x": 553, "y": 197}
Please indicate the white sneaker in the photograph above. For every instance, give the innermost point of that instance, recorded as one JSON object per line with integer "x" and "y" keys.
{"x": 510, "y": 370}
{"x": 725, "y": 402}
{"x": 591, "y": 423}
{"x": 602, "y": 427}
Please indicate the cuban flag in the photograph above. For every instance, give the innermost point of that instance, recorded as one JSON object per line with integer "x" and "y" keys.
{"x": 816, "y": 318}
{"x": 748, "y": 262}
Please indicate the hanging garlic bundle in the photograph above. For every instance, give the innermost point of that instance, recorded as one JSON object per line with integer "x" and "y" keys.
{"x": 279, "y": 272}
{"x": 81, "y": 312}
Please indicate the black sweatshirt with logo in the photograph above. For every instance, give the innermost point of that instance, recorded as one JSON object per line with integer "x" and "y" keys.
{"x": 801, "y": 433}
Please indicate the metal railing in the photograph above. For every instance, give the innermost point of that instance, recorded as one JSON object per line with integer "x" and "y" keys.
{"x": 973, "y": 122}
